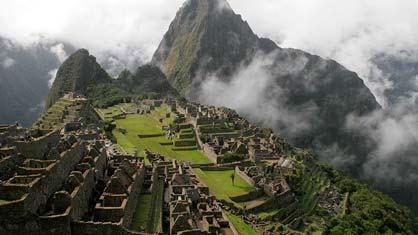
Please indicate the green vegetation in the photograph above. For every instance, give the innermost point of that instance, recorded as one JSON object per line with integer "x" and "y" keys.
{"x": 155, "y": 219}
{"x": 106, "y": 94}
{"x": 77, "y": 73}
{"x": 64, "y": 111}
{"x": 136, "y": 124}
{"x": 107, "y": 113}
{"x": 267, "y": 213}
{"x": 179, "y": 62}
{"x": 241, "y": 227}
{"x": 369, "y": 211}
{"x": 221, "y": 186}
{"x": 314, "y": 183}
{"x": 139, "y": 221}
{"x": 146, "y": 79}
{"x": 232, "y": 157}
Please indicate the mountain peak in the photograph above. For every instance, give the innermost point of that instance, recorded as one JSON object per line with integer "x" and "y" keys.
{"x": 78, "y": 72}
{"x": 214, "y": 6}
{"x": 206, "y": 35}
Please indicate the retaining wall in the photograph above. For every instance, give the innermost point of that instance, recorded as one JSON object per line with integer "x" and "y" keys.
{"x": 37, "y": 148}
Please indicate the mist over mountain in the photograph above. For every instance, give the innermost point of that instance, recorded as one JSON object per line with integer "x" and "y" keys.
{"x": 26, "y": 73}
{"x": 211, "y": 55}
{"x": 401, "y": 71}
{"x": 76, "y": 74}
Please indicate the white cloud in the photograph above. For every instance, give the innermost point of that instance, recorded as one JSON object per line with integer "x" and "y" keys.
{"x": 52, "y": 74}
{"x": 8, "y": 62}
{"x": 59, "y": 52}
{"x": 253, "y": 91}
{"x": 351, "y": 32}
{"x": 98, "y": 25}
{"x": 396, "y": 135}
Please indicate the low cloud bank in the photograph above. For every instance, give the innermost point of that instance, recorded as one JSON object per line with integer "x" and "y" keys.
{"x": 254, "y": 93}
{"x": 392, "y": 134}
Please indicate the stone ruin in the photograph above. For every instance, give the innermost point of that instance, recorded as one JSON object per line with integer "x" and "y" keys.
{"x": 65, "y": 182}
{"x": 188, "y": 204}
{"x": 222, "y": 130}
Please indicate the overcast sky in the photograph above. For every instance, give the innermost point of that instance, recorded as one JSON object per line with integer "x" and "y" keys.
{"x": 350, "y": 31}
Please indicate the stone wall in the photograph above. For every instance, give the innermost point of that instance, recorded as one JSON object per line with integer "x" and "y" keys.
{"x": 244, "y": 176}
{"x": 112, "y": 214}
{"x": 38, "y": 191}
{"x": 133, "y": 197}
{"x": 56, "y": 174}
{"x": 94, "y": 228}
{"x": 208, "y": 151}
{"x": 55, "y": 224}
{"x": 184, "y": 143}
{"x": 100, "y": 163}
{"x": 81, "y": 196}
{"x": 279, "y": 201}
{"x": 19, "y": 226}
{"x": 8, "y": 166}
{"x": 37, "y": 148}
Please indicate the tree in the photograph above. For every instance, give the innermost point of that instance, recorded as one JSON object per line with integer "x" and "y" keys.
{"x": 233, "y": 178}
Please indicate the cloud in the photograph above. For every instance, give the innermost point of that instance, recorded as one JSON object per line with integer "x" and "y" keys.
{"x": 255, "y": 94}
{"x": 133, "y": 28}
{"x": 52, "y": 75}
{"x": 351, "y": 32}
{"x": 59, "y": 52}
{"x": 390, "y": 134}
{"x": 8, "y": 62}
{"x": 395, "y": 133}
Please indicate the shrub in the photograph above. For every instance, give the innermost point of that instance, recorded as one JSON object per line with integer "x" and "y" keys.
{"x": 232, "y": 157}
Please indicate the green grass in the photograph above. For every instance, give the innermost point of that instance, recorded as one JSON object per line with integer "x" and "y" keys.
{"x": 265, "y": 214}
{"x": 139, "y": 221}
{"x": 241, "y": 227}
{"x": 314, "y": 183}
{"x": 145, "y": 124}
{"x": 160, "y": 112}
{"x": 109, "y": 112}
{"x": 156, "y": 204}
{"x": 220, "y": 184}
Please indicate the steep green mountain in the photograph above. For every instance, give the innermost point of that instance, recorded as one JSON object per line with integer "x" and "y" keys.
{"x": 25, "y": 71}
{"x": 207, "y": 39}
{"x": 206, "y": 36}
{"x": 76, "y": 74}
{"x": 147, "y": 78}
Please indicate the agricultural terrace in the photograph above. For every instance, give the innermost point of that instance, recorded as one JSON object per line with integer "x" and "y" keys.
{"x": 221, "y": 186}
{"x": 140, "y": 219}
{"x": 241, "y": 227}
{"x": 137, "y": 132}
